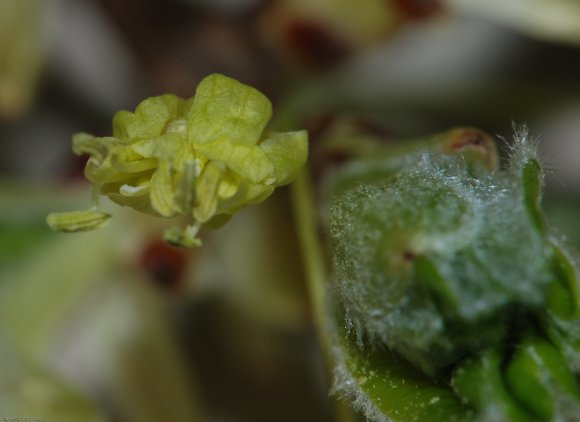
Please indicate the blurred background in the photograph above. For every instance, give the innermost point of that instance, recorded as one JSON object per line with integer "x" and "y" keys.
{"x": 116, "y": 325}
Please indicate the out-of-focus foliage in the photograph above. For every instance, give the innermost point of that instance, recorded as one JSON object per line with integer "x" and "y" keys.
{"x": 21, "y": 54}
{"x": 322, "y": 33}
{"x": 26, "y": 389}
{"x": 555, "y": 20}
{"x": 76, "y": 318}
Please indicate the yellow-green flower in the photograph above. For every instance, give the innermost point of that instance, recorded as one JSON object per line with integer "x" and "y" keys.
{"x": 205, "y": 157}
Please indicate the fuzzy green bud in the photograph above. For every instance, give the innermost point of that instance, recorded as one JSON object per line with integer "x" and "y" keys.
{"x": 438, "y": 257}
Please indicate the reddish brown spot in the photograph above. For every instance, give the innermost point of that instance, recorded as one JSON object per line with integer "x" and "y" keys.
{"x": 417, "y": 9}
{"x": 315, "y": 44}
{"x": 165, "y": 264}
{"x": 409, "y": 256}
{"x": 468, "y": 138}
{"x": 76, "y": 170}
{"x": 474, "y": 140}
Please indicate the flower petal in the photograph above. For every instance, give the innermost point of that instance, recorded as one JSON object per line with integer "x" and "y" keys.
{"x": 84, "y": 143}
{"x": 169, "y": 146}
{"x": 287, "y": 153}
{"x": 247, "y": 160}
{"x": 138, "y": 202}
{"x": 137, "y": 166}
{"x": 247, "y": 194}
{"x": 150, "y": 117}
{"x": 224, "y": 108}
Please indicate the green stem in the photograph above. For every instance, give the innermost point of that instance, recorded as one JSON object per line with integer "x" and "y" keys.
{"x": 316, "y": 275}
{"x": 312, "y": 254}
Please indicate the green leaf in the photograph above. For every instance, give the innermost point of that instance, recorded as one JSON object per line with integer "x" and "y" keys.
{"x": 388, "y": 383}
{"x": 480, "y": 383}
{"x": 564, "y": 295}
{"x": 532, "y": 183}
{"x": 538, "y": 375}
{"x": 428, "y": 276}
